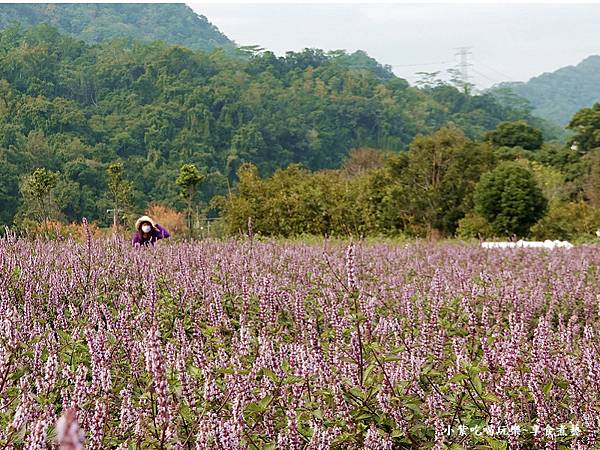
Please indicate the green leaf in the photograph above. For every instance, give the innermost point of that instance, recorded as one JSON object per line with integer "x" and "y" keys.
{"x": 356, "y": 392}
{"x": 458, "y": 378}
{"x": 265, "y": 402}
{"x": 415, "y": 408}
{"x": 495, "y": 444}
{"x": 293, "y": 379}
{"x": 477, "y": 384}
{"x": 195, "y": 372}
{"x": 270, "y": 374}
{"x": 456, "y": 446}
{"x": 397, "y": 434}
{"x": 252, "y": 408}
{"x": 63, "y": 334}
{"x": 369, "y": 370}
{"x": 491, "y": 397}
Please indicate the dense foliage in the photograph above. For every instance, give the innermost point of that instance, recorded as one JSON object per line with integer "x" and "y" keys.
{"x": 295, "y": 201}
{"x": 509, "y": 198}
{"x": 516, "y": 134}
{"x": 73, "y": 108}
{"x": 263, "y": 345}
{"x": 556, "y": 96}
{"x": 586, "y": 128}
{"x": 96, "y": 22}
{"x": 429, "y": 191}
{"x": 428, "y": 187}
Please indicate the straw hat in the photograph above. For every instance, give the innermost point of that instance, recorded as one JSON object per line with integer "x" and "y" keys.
{"x": 138, "y": 223}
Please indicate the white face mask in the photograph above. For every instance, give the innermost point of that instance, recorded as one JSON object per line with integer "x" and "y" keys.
{"x": 146, "y": 228}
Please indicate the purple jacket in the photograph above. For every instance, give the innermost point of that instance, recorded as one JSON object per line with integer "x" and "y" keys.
{"x": 155, "y": 234}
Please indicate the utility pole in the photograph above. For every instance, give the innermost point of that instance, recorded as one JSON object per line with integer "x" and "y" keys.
{"x": 115, "y": 211}
{"x": 463, "y": 66}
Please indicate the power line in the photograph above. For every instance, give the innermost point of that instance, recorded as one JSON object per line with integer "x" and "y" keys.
{"x": 494, "y": 70}
{"x": 493, "y": 80}
{"x": 464, "y": 66}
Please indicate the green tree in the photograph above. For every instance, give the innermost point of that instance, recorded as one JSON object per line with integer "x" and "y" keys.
{"x": 516, "y": 134}
{"x": 585, "y": 125}
{"x": 120, "y": 190}
{"x": 550, "y": 180}
{"x": 188, "y": 180}
{"x": 509, "y": 199}
{"x": 37, "y": 191}
{"x": 473, "y": 226}
{"x": 295, "y": 201}
{"x": 9, "y": 191}
{"x": 429, "y": 189}
{"x": 591, "y": 181}
{"x": 568, "y": 221}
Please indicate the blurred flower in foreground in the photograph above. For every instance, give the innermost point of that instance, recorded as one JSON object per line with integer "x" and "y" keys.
{"x": 68, "y": 434}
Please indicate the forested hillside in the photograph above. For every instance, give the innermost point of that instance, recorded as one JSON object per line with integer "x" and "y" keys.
{"x": 556, "y": 96}
{"x": 96, "y": 22}
{"x": 73, "y": 109}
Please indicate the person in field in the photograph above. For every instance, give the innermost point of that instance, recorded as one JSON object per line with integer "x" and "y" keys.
{"x": 148, "y": 232}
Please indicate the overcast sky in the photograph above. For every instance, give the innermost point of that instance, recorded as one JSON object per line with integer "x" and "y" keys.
{"x": 509, "y": 42}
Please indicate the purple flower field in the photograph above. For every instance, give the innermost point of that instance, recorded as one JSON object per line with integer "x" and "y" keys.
{"x": 271, "y": 345}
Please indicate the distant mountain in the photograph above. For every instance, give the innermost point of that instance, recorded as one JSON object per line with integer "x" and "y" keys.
{"x": 174, "y": 23}
{"x": 556, "y": 96}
